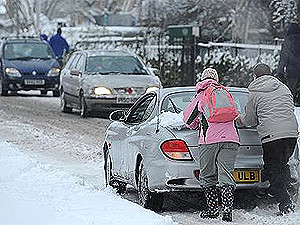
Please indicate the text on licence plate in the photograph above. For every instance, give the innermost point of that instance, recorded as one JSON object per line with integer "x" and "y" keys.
{"x": 126, "y": 99}
{"x": 246, "y": 176}
{"x": 34, "y": 82}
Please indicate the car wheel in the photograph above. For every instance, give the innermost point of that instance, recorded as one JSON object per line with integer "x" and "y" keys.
{"x": 55, "y": 93}
{"x": 43, "y": 92}
{"x": 14, "y": 92}
{"x": 63, "y": 104}
{"x": 3, "y": 89}
{"x": 293, "y": 190}
{"x": 83, "y": 107}
{"x": 148, "y": 199}
{"x": 118, "y": 185}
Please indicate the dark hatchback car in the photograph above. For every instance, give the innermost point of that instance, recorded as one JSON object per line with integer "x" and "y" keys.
{"x": 28, "y": 64}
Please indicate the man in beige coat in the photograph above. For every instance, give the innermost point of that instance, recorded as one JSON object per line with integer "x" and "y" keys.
{"x": 270, "y": 107}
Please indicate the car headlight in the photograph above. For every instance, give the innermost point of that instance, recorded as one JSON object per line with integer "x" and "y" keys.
{"x": 12, "y": 72}
{"x": 100, "y": 91}
{"x": 53, "y": 72}
{"x": 149, "y": 89}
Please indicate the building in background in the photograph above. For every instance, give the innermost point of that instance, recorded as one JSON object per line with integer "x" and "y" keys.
{"x": 124, "y": 19}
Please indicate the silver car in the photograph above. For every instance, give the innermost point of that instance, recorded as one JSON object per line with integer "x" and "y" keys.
{"x": 150, "y": 148}
{"x": 104, "y": 80}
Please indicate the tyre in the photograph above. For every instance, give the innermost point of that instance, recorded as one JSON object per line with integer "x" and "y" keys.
{"x": 119, "y": 186}
{"x": 293, "y": 190}
{"x": 148, "y": 199}
{"x": 3, "y": 88}
{"x": 43, "y": 92}
{"x": 63, "y": 104}
{"x": 14, "y": 92}
{"x": 83, "y": 108}
{"x": 55, "y": 93}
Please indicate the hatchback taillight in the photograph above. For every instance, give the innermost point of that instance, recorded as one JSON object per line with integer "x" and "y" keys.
{"x": 176, "y": 149}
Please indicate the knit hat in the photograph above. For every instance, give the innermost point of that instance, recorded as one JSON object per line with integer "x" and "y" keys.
{"x": 261, "y": 69}
{"x": 210, "y": 73}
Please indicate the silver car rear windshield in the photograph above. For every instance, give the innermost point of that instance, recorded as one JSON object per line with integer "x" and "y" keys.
{"x": 27, "y": 51}
{"x": 107, "y": 65}
{"x": 177, "y": 102}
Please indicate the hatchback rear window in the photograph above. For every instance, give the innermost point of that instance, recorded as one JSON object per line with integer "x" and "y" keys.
{"x": 24, "y": 51}
{"x": 177, "y": 102}
{"x": 114, "y": 65}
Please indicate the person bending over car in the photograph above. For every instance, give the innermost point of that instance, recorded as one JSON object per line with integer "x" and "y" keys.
{"x": 218, "y": 142}
{"x": 270, "y": 107}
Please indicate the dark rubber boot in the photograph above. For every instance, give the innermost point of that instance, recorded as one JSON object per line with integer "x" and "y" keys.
{"x": 227, "y": 197}
{"x": 211, "y": 196}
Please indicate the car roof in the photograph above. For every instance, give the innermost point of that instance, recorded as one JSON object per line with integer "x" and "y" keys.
{"x": 22, "y": 40}
{"x": 104, "y": 52}
{"x": 166, "y": 91}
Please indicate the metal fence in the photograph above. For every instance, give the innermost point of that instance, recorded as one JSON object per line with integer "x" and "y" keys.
{"x": 179, "y": 62}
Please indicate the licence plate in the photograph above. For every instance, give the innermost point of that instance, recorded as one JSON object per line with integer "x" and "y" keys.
{"x": 34, "y": 82}
{"x": 246, "y": 176}
{"x": 126, "y": 99}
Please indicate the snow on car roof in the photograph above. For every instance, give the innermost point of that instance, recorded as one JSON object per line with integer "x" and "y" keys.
{"x": 107, "y": 53}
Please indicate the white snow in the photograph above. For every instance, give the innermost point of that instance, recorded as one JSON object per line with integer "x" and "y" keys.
{"x": 33, "y": 194}
{"x": 173, "y": 120}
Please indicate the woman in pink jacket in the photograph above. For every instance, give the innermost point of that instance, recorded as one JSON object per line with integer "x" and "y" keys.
{"x": 218, "y": 146}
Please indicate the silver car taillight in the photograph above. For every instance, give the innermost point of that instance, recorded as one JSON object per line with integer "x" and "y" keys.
{"x": 176, "y": 149}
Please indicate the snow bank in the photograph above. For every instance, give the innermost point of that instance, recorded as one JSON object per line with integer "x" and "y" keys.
{"x": 35, "y": 194}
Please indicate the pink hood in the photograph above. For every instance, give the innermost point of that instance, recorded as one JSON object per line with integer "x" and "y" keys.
{"x": 202, "y": 85}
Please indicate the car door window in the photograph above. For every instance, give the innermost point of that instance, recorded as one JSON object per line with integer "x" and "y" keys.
{"x": 80, "y": 63}
{"x": 74, "y": 62}
{"x": 70, "y": 60}
{"x": 149, "y": 109}
{"x": 142, "y": 111}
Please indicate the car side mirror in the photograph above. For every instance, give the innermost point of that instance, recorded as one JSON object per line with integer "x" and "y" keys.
{"x": 118, "y": 115}
{"x": 75, "y": 73}
{"x": 154, "y": 71}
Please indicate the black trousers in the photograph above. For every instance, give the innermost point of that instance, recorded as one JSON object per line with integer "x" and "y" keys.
{"x": 276, "y": 155}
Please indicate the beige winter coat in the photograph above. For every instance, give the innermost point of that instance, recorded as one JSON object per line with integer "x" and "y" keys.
{"x": 270, "y": 107}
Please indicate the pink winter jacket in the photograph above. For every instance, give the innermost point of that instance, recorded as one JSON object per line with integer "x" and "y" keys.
{"x": 216, "y": 132}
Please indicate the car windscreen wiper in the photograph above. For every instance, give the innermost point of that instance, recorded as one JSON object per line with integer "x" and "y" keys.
{"x": 45, "y": 58}
{"x": 110, "y": 73}
{"x": 176, "y": 108}
{"x": 23, "y": 58}
{"x": 136, "y": 73}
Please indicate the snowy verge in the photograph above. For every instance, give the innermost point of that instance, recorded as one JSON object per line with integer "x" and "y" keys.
{"x": 32, "y": 194}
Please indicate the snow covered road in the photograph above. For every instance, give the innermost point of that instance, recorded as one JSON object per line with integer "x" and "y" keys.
{"x": 34, "y": 194}
{"x": 51, "y": 174}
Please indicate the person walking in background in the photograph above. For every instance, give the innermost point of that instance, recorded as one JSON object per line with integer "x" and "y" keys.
{"x": 289, "y": 64}
{"x": 59, "y": 45}
{"x": 270, "y": 107}
{"x": 218, "y": 143}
